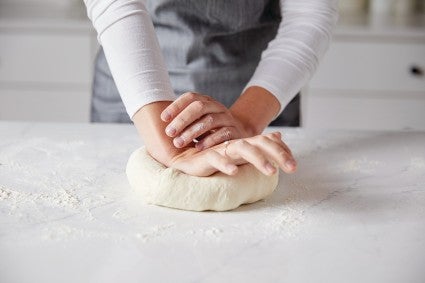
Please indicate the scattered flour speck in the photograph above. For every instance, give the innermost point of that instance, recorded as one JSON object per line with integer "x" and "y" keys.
{"x": 417, "y": 163}
{"x": 287, "y": 222}
{"x": 154, "y": 232}
{"x": 362, "y": 165}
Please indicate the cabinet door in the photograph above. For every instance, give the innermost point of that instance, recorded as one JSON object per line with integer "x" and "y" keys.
{"x": 372, "y": 66}
{"x": 325, "y": 109}
{"x": 368, "y": 85}
{"x": 45, "y": 105}
{"x": 45, "y": 57}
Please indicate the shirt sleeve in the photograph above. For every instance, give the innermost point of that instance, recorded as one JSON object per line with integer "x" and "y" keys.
{"x": 126, "y": 32}
{"x": 293, "y": 55}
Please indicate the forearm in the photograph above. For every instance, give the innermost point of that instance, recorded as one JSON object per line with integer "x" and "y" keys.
{"x": 255, "y": 109}
{"x": 152, "y": 131}
{"x": 293, "y": 55}
{"x": 127, "y": 35}
{"x": 126, "y": 32}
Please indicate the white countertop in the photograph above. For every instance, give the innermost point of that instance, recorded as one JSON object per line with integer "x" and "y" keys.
{"x": 354, "y": 212}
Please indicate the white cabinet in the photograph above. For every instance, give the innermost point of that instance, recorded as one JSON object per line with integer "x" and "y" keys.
{"x": 371, "y": 78}
{"x": 374, "y": 66}
{"x": 37, "y": 57}
{"x": 46, "y": 64}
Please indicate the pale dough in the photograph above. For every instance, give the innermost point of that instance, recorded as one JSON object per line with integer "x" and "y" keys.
{"x": 169, "y": 187}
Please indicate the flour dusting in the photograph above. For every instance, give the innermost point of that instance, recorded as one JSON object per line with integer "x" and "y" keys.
{"x": 363, "y": 165}
{"x": 287, "y": 221}
{"x": 154, "y": 232}
{"x": 417, "y": 163}
{"x": 63, "y": 233}
{"x": 63, "y": 199}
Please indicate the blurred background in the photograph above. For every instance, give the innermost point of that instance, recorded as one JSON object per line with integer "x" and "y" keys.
{"x": 372, "y": 78}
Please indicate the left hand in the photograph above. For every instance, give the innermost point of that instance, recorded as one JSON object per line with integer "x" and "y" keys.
{"x": 265, "y": 152}
{"x": 195, "y": 116}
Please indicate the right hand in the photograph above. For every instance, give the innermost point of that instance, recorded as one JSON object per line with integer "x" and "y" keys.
{"x": 197, "y": 116}
{"x": 262, "y": 151}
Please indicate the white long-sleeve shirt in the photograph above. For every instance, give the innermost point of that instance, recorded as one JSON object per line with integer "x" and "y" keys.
{"x": 126, "y": 33}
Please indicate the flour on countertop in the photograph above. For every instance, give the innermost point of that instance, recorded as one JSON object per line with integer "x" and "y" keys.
{"x": 66, "y": 233}
{"x": 63, "y": 199}
{"x": 77, "y": 190}
{"x": 417, "y": 163}
{"x": 287, "y": 221}
{"x": 61, "y": 232}
{"x": 363, "y": 165}
{"x": 212, "y": 233}
{"x": 154, "y": 232}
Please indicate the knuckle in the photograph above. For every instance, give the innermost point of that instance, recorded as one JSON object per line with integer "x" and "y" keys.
{"x": 174, "y": 107}
{"x": 196, "y": 95}
{"x": 206, "y": 143}
{"x": 180, "y": 121}
{"x": 206, "y": 97}
{"x": 216, "y": 138}
{"x": 209, "y": 119}
{"x": 198, "y": 127}
{"x": 199, "y": 105}
{"x": 189, "y": 95}
{"x": 274, "y": 136}
{"x": 227, "y": 133}
{"x": 263, "y": 139}
{"x": 283, "y": 155}
{"x": 257, "y": 151}
{"x": 241, "y": 143}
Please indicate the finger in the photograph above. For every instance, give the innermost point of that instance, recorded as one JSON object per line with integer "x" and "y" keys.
{"x": 222, "y": 163}
{"x": 180, "y": 104}
{"x": 197, "y": 129}
{"x": 190, "y": 114}
{"x": 252, "y": 154}
{"x": 277, "y": 137}
{"x": 201, "y": 129}
{"x": 221, "y": 135}
{"x": 285, "y": 159}
{"x": 276, "y": 153}
{"x": 205, "y": 163}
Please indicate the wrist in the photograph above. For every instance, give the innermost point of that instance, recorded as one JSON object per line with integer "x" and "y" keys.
{"x": 152, "y": 131}
{"x": 249, "y": 129}
{"x": 255, "y": 109}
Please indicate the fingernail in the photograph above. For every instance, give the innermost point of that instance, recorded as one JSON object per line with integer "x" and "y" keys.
{"x": 165, "y": 116}
{"x": 290, "y": 164}
{"x": 170, "y": 131}
{"x": 178, "y": 142}
{"x": 270, "y": 168}
{"x": 231, "y": 168}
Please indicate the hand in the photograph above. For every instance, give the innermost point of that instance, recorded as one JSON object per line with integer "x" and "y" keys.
{"x": 263, "y": 151}
{"x": 195, "y": 116}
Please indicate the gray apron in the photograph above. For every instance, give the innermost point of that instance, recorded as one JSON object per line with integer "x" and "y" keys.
{"x": 209, "y": 46}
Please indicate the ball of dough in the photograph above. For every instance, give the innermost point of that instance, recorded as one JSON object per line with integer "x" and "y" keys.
{"x": 169, "y": 187}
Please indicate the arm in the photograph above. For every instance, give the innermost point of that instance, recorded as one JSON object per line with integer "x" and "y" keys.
{"x": 286, "y": 65}
{"x": 255, "y": 109}
{"x": 127, "y": 35}
{"x": 132, "y": 50}
{"x": 289, "y": 61}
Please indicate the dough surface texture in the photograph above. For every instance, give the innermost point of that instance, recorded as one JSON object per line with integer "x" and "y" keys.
{"x": 169, "y": 187}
